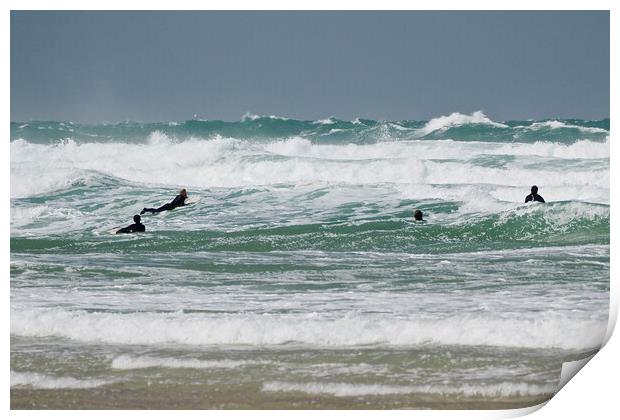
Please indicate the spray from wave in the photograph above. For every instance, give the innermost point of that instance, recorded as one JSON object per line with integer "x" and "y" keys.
{"x": 228, "y": 162}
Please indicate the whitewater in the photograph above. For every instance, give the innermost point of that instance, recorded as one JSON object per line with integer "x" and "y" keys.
{"x": 301, "y": 273}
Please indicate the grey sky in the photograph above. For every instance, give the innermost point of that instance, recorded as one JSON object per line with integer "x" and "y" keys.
{"x": 168, "y": 66}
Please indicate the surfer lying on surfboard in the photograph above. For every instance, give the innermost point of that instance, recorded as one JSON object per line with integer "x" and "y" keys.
{"x": 178, "y": 201}
{"x": 136, "y": 227}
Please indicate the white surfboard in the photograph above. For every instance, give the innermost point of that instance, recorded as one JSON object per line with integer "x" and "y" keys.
{"x": 192, "y": 200}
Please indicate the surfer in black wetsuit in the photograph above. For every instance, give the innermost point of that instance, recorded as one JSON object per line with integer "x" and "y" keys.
{"x": 417, "y": 215}
{"x": 136, "y": 227}
{"x": 178, "y": 201}
{"x": 534, "y": 196}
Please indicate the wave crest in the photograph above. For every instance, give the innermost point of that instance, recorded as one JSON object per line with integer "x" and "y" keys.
{"x": 312, "y": 329}
{"x": 230, "y": 162}
{"x": 457, "y": 119}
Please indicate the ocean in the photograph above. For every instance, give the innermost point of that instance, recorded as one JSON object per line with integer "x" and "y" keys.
{"x": 300, "y": 279}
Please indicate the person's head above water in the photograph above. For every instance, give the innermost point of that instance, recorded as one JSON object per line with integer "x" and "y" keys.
{"x": 136, "y": 218}
{"x": 417, "y": 215}
{"x": 183, "y": 192}
{"x": 534, "y": 189}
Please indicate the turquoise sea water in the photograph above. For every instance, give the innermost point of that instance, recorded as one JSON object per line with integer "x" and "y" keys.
{"x": 301, "y": 270}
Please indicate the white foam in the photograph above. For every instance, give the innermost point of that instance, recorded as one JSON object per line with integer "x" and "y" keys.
{"x": 249, "y": 116}
{"x": 554, "y": 125}
{"x": 326, "y": 121}
{"x": 544, "y": 330}
{"x": 456, "y": 119}
{"x": 230, "y": 163}
{"x": 335, "y": 130}
{"x": 559, "y": 217}
{"x": 126, "y": 362}
{"x": 41, "y": 381}
{"x": 583, "y": 149}
{"x": 503, "y": 389}
{"x": 21, "y": 216}
{"x": 399, "y": 127}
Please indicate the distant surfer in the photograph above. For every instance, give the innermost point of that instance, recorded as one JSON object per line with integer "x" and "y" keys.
{"x": 534, "y": 195}
{"x": 136, "y": 227}
{"x": 178, "y": 201}
{"x": 417, "y": 215}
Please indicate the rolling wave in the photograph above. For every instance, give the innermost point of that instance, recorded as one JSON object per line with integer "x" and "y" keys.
{"x": 353, "y": 330}
{"x": 526, "y": 225}
{"x": 456, "y": 126}
{"x": 230, "y": 163}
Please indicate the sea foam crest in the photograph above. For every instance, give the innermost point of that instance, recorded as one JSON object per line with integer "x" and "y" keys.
{"x": 457, "y": 119}
{"x": 543, "y": 331}
{"x": 229, "y": 163}
{"x": 248, "y": 116}
{"x": 326, "y": 121}
{"x": 42, "y": 381}
{"x": 555, "y": 125}
{"x": 340, "y": 389}
{"x": 226, "y": 162}
{"x": 126, "y": 362}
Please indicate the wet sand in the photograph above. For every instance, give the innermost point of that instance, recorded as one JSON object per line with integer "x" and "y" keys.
{"x": 181, "y": 397}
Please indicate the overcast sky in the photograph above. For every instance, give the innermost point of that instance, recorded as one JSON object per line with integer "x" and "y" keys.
{"x": 170, "y": 66}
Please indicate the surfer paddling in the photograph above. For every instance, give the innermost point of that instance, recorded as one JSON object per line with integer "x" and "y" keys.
{"x": 534, "y": 195}
{"x": 136, "y": 227}
{"x": 178, "y": 201}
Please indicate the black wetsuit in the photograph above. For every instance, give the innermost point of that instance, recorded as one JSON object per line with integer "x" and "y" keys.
{"x": 178, "y": 201}
{"x": 136, "y": 227}
{"x": 534, "y": 197}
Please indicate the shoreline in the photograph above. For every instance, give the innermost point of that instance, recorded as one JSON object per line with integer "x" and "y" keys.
{"x": 245, "y": 397}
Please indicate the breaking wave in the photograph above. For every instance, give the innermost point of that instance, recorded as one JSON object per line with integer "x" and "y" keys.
{"x": 540, "y": 331}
